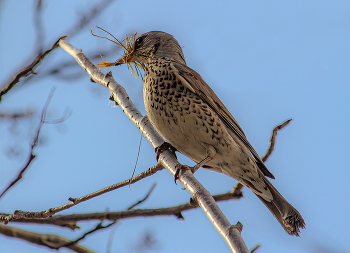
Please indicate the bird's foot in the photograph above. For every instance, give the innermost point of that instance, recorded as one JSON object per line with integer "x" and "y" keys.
{"x": 180, "y": 167}
{"x": 193, "y": 169}
{"x": 163, "y": 147}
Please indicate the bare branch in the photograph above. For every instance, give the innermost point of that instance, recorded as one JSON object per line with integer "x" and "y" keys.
{"x": 48, "y": 240}
{"x": 144, "y": 199}
{"x": 63, "y": 220}
{"x": 59, "y": 70}
{"x": 273, "y": 139}
{"x": 65, "y": 115}
{"x": 16, "y": 115}
{"x": 39, "y": 29}
{"x": 18, "y": 214}
{"x": 88, "y": 16}
{"x": 200, "y": 195}
{"x": 100, "y": 226}
{"x": 255, "y": 248}
{"x": 83, "y": 21}
{"x": 27, "y": 70}
{"x": 239, "y": 186}
{"x": 33, "y": 145}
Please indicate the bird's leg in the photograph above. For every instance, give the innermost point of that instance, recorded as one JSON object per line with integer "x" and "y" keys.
{"x": 201, "y": 163}
{"x": 163, "y": 147}
{"x": 211, "y": 152}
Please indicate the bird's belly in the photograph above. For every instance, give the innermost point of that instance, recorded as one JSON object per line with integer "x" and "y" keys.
{"x": 179, "y": 133}
{"x": 188, "y": 126}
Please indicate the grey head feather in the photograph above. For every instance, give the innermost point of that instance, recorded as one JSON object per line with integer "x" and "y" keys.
{"x": 156, "y": 44}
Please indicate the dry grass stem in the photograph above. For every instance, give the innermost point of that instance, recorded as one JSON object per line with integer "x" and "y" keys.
{"x": 128, "y": 50}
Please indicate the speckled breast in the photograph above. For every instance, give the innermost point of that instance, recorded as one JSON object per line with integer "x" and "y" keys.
{"x": 178, "y": 114}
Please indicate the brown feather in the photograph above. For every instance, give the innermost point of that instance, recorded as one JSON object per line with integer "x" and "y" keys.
{"x": 207, "y": 94}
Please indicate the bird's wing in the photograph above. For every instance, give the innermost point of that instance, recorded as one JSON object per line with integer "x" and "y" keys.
{"x": 194, "y": 82}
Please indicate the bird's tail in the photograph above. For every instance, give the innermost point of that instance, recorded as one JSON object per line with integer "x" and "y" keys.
{"x": 285, "y": 213}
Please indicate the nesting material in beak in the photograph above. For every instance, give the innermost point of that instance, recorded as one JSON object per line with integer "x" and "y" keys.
{"x": 128, "y": 50}
{"x": 123, "y": 60}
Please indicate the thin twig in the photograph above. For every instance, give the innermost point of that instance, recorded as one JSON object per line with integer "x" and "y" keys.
{"x": 16, "y": 115}
{"x": 65, "y": 115}
{"x": 82, "y": 21}
{"x": 271, "y": 148}
{"x": 273, "y": 139}
{"x": 144, "y": 199}
{"x": 137, "y": 157}
{"x": 100, "y": 226}
{"x": 34, "y": 144}
{"x": 58, "y": 70}
{"x": 18, "y": 214}
{"x": 86, "y": 17}
{"x": 39, "y": 29}
{"x": 255, "y": 248}
{"x": 48, "y": 240}
{"x": 27, "y": 70}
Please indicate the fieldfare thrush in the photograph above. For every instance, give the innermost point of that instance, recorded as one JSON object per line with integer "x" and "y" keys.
{"x": 190, "y": 116}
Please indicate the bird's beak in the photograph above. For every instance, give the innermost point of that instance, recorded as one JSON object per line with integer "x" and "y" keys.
{"x": 124, "y": 60}
{"x": 127, "y": 57}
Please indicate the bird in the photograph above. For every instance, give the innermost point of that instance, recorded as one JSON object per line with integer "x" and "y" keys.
{"x": 187, "y": 113}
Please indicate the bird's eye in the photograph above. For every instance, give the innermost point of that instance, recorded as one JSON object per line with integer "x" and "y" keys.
{"x": 139, "y": 41}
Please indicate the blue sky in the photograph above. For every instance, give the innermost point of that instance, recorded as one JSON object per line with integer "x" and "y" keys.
{"x": 267, "y": 60}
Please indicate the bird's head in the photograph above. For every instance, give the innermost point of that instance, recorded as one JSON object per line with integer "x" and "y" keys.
{"x": 151, "y": 45}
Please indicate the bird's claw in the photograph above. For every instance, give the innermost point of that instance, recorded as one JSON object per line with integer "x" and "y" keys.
{"x": 180, "y": 167}
{"x": 163, "y": 147}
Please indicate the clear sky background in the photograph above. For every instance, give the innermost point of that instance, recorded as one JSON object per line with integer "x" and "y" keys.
{"x": 267, "y": 60}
